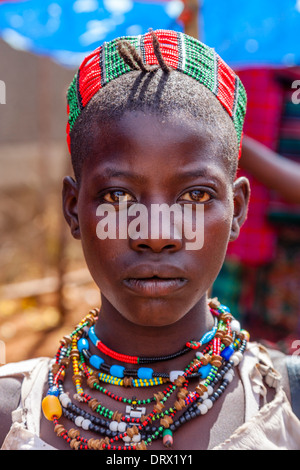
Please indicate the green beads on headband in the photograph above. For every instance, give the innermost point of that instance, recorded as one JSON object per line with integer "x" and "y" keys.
{"x": 179, "y": 51}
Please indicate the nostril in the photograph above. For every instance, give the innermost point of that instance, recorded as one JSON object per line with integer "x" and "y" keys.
{"x": 143, "y": 246}
{"x": 156, "y": 245}
{"x": 169, "y": 247}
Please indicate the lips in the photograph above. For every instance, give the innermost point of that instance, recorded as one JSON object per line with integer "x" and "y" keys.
{"x": 157, "y": 281}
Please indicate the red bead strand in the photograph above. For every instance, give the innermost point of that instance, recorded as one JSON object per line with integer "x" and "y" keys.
{"x": 115, "y": 355}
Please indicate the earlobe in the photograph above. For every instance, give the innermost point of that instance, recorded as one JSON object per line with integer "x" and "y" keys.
{"x": 70, "y": 202}
{"x": 241, "y": 195}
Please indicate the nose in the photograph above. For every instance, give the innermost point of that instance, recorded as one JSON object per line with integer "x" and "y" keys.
{"x": 160, "y": 235}
{"x": 157, "y": 245}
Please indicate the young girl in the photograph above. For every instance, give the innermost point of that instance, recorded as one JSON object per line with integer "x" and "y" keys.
{"x": 153, "y": 120}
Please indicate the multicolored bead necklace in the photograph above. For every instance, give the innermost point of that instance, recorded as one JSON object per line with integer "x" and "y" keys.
{"x": 142, "y": 359}
{"x": 134, "y": 429}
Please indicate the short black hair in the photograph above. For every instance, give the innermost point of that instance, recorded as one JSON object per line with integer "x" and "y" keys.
{"x": 160, "y": 91}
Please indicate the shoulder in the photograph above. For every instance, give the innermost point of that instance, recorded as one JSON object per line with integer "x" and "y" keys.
{"x": 283, "y": 368}
{"x": 10, "y": 393}
{"x": 11, "y": 379}
{"x": 289, "y": 368}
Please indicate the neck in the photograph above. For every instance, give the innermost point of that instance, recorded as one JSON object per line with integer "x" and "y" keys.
{"x": 125, "y": 337}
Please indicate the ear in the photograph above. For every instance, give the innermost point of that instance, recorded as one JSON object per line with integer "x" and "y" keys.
{"x": 70, "y": 200}
{"x": 241, "y": 196}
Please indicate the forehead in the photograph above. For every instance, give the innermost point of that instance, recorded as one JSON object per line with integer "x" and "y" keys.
{"x": 144, "y": 142}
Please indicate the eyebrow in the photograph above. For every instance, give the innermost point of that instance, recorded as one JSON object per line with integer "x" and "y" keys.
{"x": 192, "y": 174}
{"x": 185, "y": 175}
{"x": 198, "y": 173}
{"x": 116, "y": 173}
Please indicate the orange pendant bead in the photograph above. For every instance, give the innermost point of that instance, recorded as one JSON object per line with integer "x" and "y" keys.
{"x": 51, "y": 407}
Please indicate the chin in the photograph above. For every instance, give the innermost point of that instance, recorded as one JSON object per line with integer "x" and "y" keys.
{"x": 155, "y": 315}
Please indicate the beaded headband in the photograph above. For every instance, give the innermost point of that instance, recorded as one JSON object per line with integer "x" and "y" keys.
{"x": 179, "y": 51}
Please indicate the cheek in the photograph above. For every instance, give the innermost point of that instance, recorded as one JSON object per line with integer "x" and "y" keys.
{"x": 217, "y": 228}
{"x": 92, "y": 246}
{"x": 217, "y": 225}
{"x": 103, "y": 256}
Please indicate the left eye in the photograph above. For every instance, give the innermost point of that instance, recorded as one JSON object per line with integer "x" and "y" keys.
{"x": 117, "y": 196}
{"x": 196, "y": 195}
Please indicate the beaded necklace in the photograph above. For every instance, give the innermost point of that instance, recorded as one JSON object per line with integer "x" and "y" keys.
{"x": 142, "y": 359}
{"x": 134, "y": 429}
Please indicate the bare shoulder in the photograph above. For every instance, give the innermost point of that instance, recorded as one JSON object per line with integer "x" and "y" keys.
{"x": 10, "y": 391}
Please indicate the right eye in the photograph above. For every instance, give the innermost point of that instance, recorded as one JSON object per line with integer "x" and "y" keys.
{"x": 117, "y": 196}
{"x": 196, "y": 195}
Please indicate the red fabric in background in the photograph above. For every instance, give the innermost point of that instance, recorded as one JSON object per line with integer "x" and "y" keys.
{"x": 257, "y": 240}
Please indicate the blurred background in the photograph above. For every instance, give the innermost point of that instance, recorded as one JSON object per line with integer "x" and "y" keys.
{"x": 45, "y": 288}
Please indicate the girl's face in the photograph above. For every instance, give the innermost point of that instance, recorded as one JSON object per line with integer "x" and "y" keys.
{"x": 154, "y": 280}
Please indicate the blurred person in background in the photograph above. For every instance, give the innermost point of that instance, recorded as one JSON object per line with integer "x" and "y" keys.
{"x": 260, "y": 277}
